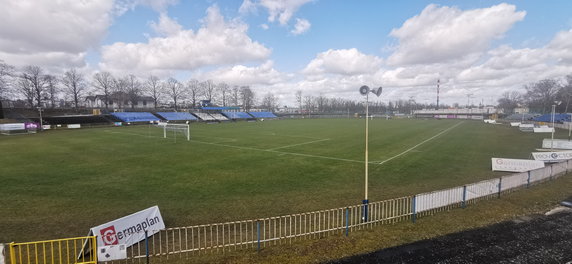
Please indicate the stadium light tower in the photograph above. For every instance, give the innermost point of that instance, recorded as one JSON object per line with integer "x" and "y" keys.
{"x": 364, "y": 90}
{"x": 553, "y": 128}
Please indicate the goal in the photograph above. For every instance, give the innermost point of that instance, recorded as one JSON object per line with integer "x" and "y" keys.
{"x": 176, "y": 129}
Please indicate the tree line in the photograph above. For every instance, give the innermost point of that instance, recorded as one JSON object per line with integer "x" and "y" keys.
{"x": 40, "y": 89}
{"x": 540, "y": 96}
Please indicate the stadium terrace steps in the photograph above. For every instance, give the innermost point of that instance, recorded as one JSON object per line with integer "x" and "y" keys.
{"x": 237, "y": 115}
{"x": 135, "y": 116}
{"x": 205, "y": 116}
{"x": 177, "y": 116}
{"x": 219, "y": 117}
{"x": 263, "y": 114}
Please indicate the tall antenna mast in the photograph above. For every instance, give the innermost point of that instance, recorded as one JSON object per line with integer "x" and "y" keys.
{"x": 438, "y": 82}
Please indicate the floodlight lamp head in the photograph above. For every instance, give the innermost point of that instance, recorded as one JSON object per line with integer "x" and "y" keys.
{"x": 364, "y": 90}
{"x": 557, "y": 102}
{"x": 377, "y": 91}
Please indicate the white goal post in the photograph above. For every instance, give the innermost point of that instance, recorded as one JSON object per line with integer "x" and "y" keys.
{"x": 184, "y": 129}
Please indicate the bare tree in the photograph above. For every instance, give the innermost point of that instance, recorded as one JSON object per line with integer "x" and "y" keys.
{"x": 234, "y": 95}
{"x": 174, "y": 89}
{"x": 309, "y": 103}
{"x": 74, "y": 85}
{"x": 52, "y": 90}
{"x": 104, "y": 83}
{"x": 6, "y": 74}
{"x": 194, "y": 90}
{"x": 34, "y": 75}
{"x": 247, "y": 97}
{"x": 269, "y": 102}
{"x": 299, "y": 100}
{"x": 208, "y": 89}
{"x": 566, "y": 92}
{"x": 153, "y": 86}
{"x": 542, "y": 94}
{"x": 26, "y": 89}
{"x": 509, "y": 101}
{"x": 120, "y": 86}
{"x": 321, "y": 102}
{"x": 223, "y": 89}
{"x": 133, "y": 89}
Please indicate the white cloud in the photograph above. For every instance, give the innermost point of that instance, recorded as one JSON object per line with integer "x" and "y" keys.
{"x": 52, "y": 32}
{"x": 343, "y": 61}
{"x": 166, "y": 26}
{"x": 302, "y": 25}
{"x": 264, "y": 74}
{"x": 264, "y": 26}
{"x": 217, "y": 42}
{"x": 441, "y": 34}
{"x": 278, "y": 10}
{"x": 122, "y": 6}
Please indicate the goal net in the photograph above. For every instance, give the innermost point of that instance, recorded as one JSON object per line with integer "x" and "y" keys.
{"x": 174, "y": 130}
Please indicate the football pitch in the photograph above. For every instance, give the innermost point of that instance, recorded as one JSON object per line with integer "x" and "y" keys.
{"x": 62, "y": 182}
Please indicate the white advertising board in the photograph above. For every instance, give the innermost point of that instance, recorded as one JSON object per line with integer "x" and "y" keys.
{"x": 490, "y": 121}
{"x": 516, "y": 165}
{"x": 74, "y": 126}
{"x": 46, "y": 127}
{"x": 558, "y": 144}
{"x": 2, "y": 256}
{"x": 552, "y": 156}
{"x": 12, "y": 126}
{"x": 543, "y": 129}
{"x": 514, "y": 124}
{"x": 130, "y": 229}
{"x": 109, "y": 253}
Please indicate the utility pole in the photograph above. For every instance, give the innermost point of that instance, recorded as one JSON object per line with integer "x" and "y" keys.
{"x": 438, "y": 82}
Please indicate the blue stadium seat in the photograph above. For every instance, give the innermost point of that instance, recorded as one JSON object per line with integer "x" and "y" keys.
{"x": 135, "y": 116}
{"x": 263, "y": 114}
{"x": 237, "y": 115}
{"x": 558, "y": 118}
{"x": 177, "y": 116}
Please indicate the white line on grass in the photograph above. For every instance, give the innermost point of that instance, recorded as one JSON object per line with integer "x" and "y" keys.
{"x": 300, "y": 144}
{"x": 422, "y": 142}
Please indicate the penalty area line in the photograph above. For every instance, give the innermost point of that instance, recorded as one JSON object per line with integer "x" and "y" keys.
{"x": 422, "y": 142}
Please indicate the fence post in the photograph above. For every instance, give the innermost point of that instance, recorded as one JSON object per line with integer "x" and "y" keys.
{"x": 12, "y": 253}
{"x": 500, "y": 184}
{"x": 347, "y": 221}
{"x": 464, "y": 204}
{"x": 258, "y": 233}
{"x": 414, "y": 214}
{"x": 146, "y": 247}
{"x": 365, "y": 205}
{"x": 528, "y": 180}
{"x": 551, "y": 171}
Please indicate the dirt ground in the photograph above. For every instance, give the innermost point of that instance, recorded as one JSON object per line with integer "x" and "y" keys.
{"x": 529, "y": 239}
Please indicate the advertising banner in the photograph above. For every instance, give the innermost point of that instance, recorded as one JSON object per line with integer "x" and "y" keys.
{"x": 12, "y": 126}
{"x": 74, "y": 126}
{"x": 516, "y": 165}
{"x": 543, "y": 129}
{"x": 552, "y": 156}
{"x": 514, "y": 124}
{"x": 558, "y": 144}
{"x": 130, "y": 229}
{"x": 31, "y": 126}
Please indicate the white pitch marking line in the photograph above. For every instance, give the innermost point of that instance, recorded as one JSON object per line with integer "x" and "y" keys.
{"x": 300, "y": 144}
{"x": 424, "y": 141}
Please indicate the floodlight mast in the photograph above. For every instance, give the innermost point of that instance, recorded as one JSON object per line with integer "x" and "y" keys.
{"x": 553, "y": 128}
{"x": 364, "y": 90}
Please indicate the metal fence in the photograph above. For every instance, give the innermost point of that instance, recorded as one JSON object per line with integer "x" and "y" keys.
{"x": 182, "y": 242}
{"x": 67, "y": 250}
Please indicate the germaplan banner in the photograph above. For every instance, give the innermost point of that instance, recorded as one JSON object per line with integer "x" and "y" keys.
{"x": 516, "y": 165}
{"x": 552, "y": 156}
{"x": 128, "y": 230}
{"x": 558, "y": 144}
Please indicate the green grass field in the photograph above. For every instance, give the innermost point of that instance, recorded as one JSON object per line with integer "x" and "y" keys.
{"x": 61, "y": 183}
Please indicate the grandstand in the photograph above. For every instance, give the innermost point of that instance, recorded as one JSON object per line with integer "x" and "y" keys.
{"x": 177, "y": 116}
{"x": 219, "y": 117}
{"x": 135, "y": 116}
{"x": 558, "y": 118}
{"x": 263, "y": 115}
{"x": 521, "y": 116}
{"x": 237, "y": 115}
{"x": 204, "y": 116}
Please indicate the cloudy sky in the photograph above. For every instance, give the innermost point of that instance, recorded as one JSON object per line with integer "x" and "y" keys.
{"x": 328, "y": 47}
